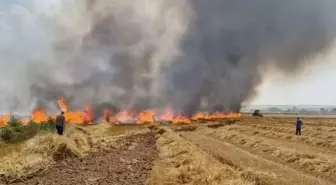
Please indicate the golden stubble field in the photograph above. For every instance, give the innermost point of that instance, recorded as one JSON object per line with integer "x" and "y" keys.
{"x": 245, "y": 151}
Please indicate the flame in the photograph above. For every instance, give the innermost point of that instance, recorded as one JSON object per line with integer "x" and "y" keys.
{"x": 168, "y": 115}
{"x": 4, "y": 119}
{"x": 200, "y": 116}
{"x": 62, "y": 103}
{"x": 214, "y": 116}
{"x": 181, "y": 120}
{"x": 146, "y": 116}
{"x": 125, "y": 116}
{"x": 85, "y": 116}
{"x": 76, "y": 117}
{"x": 39, "y": 116}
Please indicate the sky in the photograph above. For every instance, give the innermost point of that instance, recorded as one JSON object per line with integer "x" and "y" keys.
{"x": 316, "y": 86}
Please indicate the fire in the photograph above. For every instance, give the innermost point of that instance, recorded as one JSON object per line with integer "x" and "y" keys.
{"x": 125, "y": 116}
{"x": 62, "y": 103}
{"x": 214, "y": 116}
{"x": 181, "y": 120}
{"x": 4, "y": 120}
{"x": 168, "y": 115}
{"x": 146, "y": 116}
{"x": 39, "y": 116}
{"x": 85, "y": 116}
{"x": 76, "y": 117}
{"x": 200, "y": 116}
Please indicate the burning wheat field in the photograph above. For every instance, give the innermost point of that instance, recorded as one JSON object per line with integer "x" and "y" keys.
{"x": 151, "y": 92}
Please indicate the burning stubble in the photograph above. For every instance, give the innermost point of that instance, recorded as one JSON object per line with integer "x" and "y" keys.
{"x": 145, "y": 54}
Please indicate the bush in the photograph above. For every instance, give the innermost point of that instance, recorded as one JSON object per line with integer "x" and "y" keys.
{"x": 16, "y": 131}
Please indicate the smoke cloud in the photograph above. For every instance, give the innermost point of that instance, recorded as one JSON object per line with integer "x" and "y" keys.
{"x": 230, "y": 42}
{"x": 153, "y": 53}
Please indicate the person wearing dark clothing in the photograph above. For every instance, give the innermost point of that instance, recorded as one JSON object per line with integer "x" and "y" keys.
{"x": 298, "y": 126}
{"x": 60, "y": 120}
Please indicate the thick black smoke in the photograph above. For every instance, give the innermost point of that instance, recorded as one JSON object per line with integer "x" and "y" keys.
{"x": 150, "y": 54}
{"x": 230, "y": 43}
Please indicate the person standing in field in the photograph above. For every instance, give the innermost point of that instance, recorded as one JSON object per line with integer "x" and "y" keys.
{"x": 60, "y": 121}
{"x": 298, "y": 126}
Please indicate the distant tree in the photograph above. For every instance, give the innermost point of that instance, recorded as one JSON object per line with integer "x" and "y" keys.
{"x": 323, "y": 110}
{"x": 274, "y": 109}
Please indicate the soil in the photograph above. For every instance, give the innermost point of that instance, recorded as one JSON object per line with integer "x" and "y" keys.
{"x": 129, "y": 164}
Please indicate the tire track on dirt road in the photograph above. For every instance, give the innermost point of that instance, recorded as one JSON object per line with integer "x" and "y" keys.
{"x": 266, "y": 171}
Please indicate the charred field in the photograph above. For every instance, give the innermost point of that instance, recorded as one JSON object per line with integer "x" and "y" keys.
{"x": 240, "y": 151}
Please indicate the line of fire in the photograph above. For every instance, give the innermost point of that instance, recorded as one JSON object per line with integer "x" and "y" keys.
{"x": 86, "y": 116}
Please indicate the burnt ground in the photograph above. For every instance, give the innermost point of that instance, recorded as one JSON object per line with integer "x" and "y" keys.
{"x": 129, "y": 164}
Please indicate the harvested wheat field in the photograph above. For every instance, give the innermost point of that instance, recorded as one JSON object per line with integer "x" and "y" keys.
{"x": 243, "y": 151}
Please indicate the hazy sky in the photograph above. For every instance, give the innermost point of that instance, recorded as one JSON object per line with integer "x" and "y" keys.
{"x": 317, "y": 86}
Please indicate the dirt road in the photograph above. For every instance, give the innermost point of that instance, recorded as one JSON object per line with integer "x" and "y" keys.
{"x": 129, "y": 164}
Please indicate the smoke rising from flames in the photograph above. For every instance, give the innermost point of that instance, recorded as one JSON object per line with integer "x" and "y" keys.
{"x": 145, "y": 54}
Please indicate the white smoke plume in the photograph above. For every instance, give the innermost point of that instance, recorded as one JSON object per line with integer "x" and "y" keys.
{"x": 87, "y": 51}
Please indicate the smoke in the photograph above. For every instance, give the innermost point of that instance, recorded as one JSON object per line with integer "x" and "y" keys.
{"x": 91, "y": 52}
{"x": 153, "y": 53}
{"x": 231, "y": 42}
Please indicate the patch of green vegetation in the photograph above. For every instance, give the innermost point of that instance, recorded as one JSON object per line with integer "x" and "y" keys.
{"x": 16, "y": 131}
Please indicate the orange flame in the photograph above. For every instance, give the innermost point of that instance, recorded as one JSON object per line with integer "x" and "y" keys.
{"x": 4, "y": 119}
{"x": 62, "y": 103}
{"x": 77, "y": 117}
{"x": 146, "y": 116}
{"x": 125, "y": 116}
{"x": 39, "y": 116}
{"x": 200, "y": 115}
{"x": 214, "y": 116}
{"x": 168, "y": 115}
{"x": 181, "y": 120}
{"x": 87, "y": 116}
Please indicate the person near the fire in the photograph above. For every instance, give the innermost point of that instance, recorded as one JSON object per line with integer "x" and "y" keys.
{"x": 298, "y": 126}
{"x": 60, "y": 123}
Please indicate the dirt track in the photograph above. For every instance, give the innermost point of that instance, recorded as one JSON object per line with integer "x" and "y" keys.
{"x": 129, "y": 164}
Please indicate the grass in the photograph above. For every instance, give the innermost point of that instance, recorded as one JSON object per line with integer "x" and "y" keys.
{"x": 17, "y": 132}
